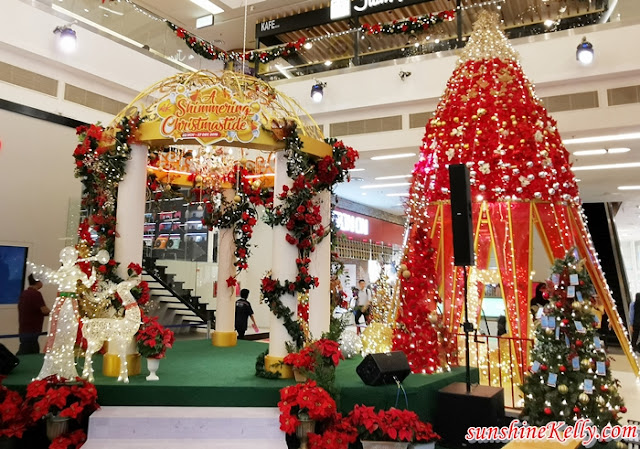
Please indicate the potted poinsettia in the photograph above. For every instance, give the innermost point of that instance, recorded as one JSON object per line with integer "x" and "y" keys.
{"x": 302, "y": 406}
{"x": 153, "y": 341}
{"x": 390, "y": 429}
{"x": 60, "y": 401}
{"x": 323, "y": 353}
{"x": 338, "y": 433}
{"x": 12, "y": 421}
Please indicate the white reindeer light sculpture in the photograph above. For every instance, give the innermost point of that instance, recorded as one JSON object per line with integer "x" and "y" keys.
{"x": 117, "y": 331}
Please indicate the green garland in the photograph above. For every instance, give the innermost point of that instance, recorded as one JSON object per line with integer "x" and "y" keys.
{"x": 209, "y": 51}
{"x": 412, "y": 25}
{"x": 261, "y": 371}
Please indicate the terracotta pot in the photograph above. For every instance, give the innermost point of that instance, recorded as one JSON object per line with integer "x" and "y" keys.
{"x": 56, "y": 426}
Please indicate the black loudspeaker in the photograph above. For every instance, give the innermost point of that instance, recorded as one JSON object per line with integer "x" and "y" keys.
{"x": 458, "y": 410}
{"x": 384, "y": 368}
{"x": 461, "y": 220}
{"x": 8, "y": 361}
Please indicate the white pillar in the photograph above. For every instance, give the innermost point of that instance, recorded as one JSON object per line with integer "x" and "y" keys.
{"x": 320, "y": 267}
{"x": 130, "y": 210}
{"x": 283, "y": 268}
{"x": 225, "y": 334}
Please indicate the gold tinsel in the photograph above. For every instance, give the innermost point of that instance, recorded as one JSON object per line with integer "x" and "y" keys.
{"x": 487, "y": 41}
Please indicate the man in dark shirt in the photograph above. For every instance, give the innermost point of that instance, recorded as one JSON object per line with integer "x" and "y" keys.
{"x": 31, "y": 313}
{"x": 243, "y": 313}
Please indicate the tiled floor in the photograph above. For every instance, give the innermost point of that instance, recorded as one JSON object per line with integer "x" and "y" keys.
{"x": 630, "y": 384}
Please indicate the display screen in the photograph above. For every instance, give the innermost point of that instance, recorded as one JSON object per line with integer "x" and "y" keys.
{"x": 13, "y": 260}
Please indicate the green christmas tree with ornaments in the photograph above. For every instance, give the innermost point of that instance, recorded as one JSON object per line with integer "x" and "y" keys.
{"x": 570, "y": 377}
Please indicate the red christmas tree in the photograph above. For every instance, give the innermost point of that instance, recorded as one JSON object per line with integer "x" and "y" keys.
{"x": 490, "y": 119}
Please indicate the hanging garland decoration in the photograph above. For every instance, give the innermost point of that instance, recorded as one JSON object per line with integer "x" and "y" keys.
{"x": 302, "y": 219}
{"x": 209, "y": 51}
{"x": 411, "y": 25}
{"x": 100, "y": 158}
{"x": 240, "y": 214}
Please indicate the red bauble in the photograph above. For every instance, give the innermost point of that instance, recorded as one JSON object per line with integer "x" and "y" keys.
{"x": 579, "y": 343}
{"x": 576, "y": 409}
{"x": 565, "y": 322}
{"x": 547, "y": 411}
{"x": 544, "y": 367}
{"x": 563, "y": 368}
{"x": 607, "y": 363}
{"x": 623, "y": 409}
{"x": 559, "y": 304}
{"x": 603, "y": 388}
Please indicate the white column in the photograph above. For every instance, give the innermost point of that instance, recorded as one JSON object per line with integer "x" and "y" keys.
{"x": 320, "y": 267}
{"x": 225, "y": 334}
{"x": 130, "y": 210}
{"x": 283, "y": 266}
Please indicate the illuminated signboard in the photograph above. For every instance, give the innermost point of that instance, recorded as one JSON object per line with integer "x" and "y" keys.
{"x": 352, "y": 224}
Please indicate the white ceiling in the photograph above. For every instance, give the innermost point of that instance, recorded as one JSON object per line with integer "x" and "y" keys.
{"x": 228, "y": 25}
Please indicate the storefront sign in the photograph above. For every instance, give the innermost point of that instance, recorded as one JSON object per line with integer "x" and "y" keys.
{"x": 340, "y": 9}
{"x": 350, "y": 223}
{"x": 209, "y": 115}
{"x": 353, "y": 224}
{"x": 365, "y": 5}
{"x": 322, "y": 16}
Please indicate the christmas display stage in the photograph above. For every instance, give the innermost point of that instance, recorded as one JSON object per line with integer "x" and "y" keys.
{"x": 196, "y": 373}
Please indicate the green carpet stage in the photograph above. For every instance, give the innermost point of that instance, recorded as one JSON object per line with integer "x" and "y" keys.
{"x": 195, "y": 373}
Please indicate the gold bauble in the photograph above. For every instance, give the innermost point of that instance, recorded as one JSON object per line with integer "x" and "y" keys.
{"x": 563, "y": 389}
{"x": 600, "y": 400}
{"x": 587, "y": 309}
{"x": 199, "y": 179}
{"x": 243, "y": 161}
{"x": 585, "y": 363}
{"x": 584, "y": 398}
{"x": 403, "y": 267}
{"x": 406, "y": 274}
{"x": 237, "y": 198}
{"x": 167, "y": 188}
{"x": 621, "y": 445}
{"x": 575, "y": 305}
{"x": 256, "y": 184}
{"x": 548, "y": 331}
{"x": 433, "y": 317}
{"x": 613, "y": 389}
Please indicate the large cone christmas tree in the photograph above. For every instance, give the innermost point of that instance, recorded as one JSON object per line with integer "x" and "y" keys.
{"x": 490, "y": 119}
{"x": 570, "y": 377}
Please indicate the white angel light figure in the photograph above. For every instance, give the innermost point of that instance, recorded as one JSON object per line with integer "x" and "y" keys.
{"x": 63, "y": 327}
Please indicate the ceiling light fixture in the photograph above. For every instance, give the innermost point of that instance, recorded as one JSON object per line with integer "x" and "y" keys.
{"x": 549, "y": 23}
{"x": 384, "y": 186}
{"x": 317, "y": 91}
{"x": 618, "y": 150}
{"x": 117, "y": 13}
{"x": 398, "y": 194}
{"x": 584, "y": 52}
{"x": 590, "y": 152}
{"x": 204, "y": 21}
{"x": 607, "y": 166}
{"x": 383, "y": 178}
{"x": 67, "y": 38}
{"x": 392, "y": 156}
{"x": 597, "y": 139}
{"x": 628, "y": 187}
{"x": 208, "y": 6}
{"x": 328, "y": 63}
{"x": 308, "y": 45}
{"x": 355, "y": 169}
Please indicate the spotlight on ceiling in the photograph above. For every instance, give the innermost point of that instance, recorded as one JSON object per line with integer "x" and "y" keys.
{"x": 585, "y": 53}
{"x": 317, "y": 91}
{"x": 308, "y": 45}
{"x": 404, "y": 74}
{"x": 67, "y": 39}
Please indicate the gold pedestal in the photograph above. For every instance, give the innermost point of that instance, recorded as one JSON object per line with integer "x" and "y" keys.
{"x": 275, "y": 365}
{"x": 224, "y": 339}
{"x": 111, "y": 365}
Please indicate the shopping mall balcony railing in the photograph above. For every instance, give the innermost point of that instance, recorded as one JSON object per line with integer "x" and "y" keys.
{"x": 333, "y": 46}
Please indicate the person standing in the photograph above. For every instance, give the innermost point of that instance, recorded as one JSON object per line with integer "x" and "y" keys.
{"x": 362, "y": 302}
{"x": 634, "y": 314}
{"x": 31, "y": 313}
{"x": 244, "y": 311}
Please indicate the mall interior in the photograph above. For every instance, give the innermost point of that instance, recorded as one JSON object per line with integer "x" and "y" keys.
{"x": 371, "y": 75}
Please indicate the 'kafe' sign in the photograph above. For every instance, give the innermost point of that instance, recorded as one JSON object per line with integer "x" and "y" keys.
{"x": 209, "y": 115}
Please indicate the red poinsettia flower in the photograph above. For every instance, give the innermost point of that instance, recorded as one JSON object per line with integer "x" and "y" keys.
{"x": 231, "y": 281}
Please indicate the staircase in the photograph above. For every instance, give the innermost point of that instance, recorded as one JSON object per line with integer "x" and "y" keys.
{"x": 179, "y": 308}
